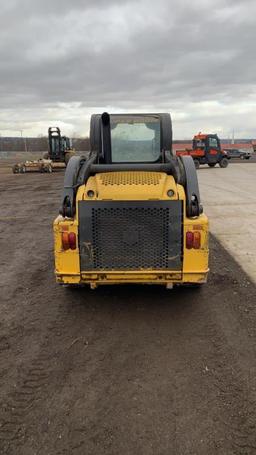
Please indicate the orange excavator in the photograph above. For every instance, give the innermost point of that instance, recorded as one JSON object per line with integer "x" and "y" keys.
{"x": 206, "y": 149}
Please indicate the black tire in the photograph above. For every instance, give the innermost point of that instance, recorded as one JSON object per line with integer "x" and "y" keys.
{"x": 211, "y": 164}
{"x": 15, "y": 169}
{"x": 197, "y": 164}
{"x": 67, "y": 157}
{"x": 224, "y": 162}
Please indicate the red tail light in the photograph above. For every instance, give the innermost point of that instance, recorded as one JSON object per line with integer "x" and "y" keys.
{"x": 68, "y": 240}
{"x": 197, "y": 240}
{"x": 189, "y": 240}
{"x": 65, "y": 242}
{"x": 72, "y": 240}
{"x": 193, "y": 240}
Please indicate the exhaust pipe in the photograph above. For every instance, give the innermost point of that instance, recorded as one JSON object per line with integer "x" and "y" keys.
{"x": 106, "y": 137}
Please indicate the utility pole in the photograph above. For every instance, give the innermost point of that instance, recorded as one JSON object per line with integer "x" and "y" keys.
{"x": 21, "y": 134}
{"x": 233, "y": 136}
{"x": 25, "y": 140}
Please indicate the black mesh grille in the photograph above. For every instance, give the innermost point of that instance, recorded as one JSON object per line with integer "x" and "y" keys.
{"x": 130, "y": 235}
{"x": 130, "y": 238}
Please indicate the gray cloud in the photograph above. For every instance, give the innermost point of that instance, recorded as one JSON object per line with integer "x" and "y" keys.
{"x": 62, "y": 60}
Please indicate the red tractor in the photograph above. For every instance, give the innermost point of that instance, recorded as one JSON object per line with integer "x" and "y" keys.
{"x": 206, "y": 149}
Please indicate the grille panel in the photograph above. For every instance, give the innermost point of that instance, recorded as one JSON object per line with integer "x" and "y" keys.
{"x": 130, "y": 178}
{"x": 130, "y": 238}
{"x": 130, "y": 235}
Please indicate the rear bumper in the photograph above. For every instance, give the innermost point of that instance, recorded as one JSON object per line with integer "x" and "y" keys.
{"x": 95, "y": 279}
{"x": 70, "y": 269}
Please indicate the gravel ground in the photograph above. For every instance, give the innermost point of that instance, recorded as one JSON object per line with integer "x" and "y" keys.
{"x": 120, "y": 370}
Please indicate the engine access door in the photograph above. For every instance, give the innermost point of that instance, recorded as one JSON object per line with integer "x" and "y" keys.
{"x": 130, "y": 235}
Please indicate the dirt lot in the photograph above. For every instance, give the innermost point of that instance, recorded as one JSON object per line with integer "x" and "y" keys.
{"x": 120, "y": 370}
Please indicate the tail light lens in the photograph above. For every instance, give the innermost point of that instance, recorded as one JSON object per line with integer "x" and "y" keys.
{"x": 193, "y": 240}
{"x": 65, "y": 242}
{"x": 68, "y": 240}
{"x": 72, "y": 240}
{"x": 189, "y": 240}
{"x": 197, "y": 240}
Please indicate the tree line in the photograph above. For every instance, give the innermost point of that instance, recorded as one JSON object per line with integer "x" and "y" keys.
{"x": 36, "y": 144}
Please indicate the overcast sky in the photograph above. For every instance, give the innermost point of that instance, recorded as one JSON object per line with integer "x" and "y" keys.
{"x": 61, "y": 60}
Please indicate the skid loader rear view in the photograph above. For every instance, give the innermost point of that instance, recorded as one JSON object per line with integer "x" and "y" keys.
{"x": 60, "y": 147}
{"x": 131, "y": 212}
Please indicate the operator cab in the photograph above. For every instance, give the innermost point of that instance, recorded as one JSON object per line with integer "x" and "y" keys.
{"x": 66, "y": 143}
{"x": 131, "y": 143}
{"x": 206, "y": 142}
{"x": 131, "y": 138}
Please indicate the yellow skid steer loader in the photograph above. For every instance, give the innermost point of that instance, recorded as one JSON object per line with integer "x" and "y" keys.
{"x": 131, "y": 211}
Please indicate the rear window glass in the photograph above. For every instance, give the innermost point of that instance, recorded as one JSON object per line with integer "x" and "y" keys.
{"x": 135, "y": 139}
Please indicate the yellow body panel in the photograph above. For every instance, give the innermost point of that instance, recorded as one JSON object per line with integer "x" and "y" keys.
{"x": 130, "y": 186}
